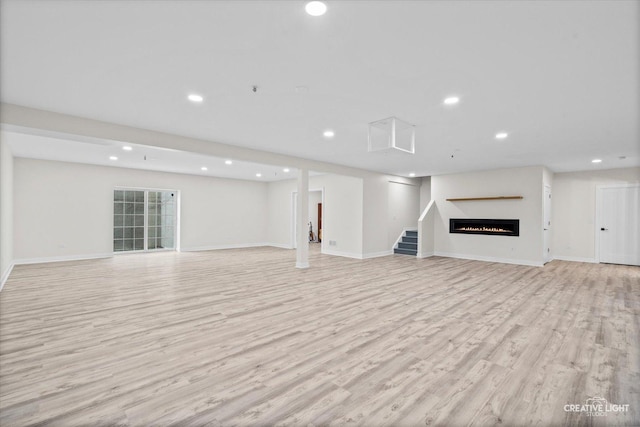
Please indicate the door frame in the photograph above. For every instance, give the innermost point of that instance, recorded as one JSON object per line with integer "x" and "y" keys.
{"x": 294, "y": 219}
{"x": 598, "y": 216}
{"x": 547, "y": 256}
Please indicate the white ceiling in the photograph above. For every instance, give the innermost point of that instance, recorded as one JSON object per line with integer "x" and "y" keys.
{"x": 99, "y": 152}
{"x": 560, "y": 77}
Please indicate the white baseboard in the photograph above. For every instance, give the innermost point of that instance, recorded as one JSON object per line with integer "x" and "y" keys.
{"x": 218, "y": 247}
{"x": 377, "y": 254}
{"x": 279, "y": 245}
{"x": 575, "y": 259}
{"x": 490, "y": 259}
{"x": 61, "y": 258}
{"x": 6, "y": 275}
{"x": 342, "y": 254}
{"x": 425, "y": 255}
{"x": 355, "y": 255}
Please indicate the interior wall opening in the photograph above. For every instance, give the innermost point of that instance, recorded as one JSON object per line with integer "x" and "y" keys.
{"x": 315, "y": 221}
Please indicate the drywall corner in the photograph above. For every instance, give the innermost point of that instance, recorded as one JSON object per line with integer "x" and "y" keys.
{"x": 6, "y": 211}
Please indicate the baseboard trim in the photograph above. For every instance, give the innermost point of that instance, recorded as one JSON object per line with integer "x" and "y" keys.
{"x": 575, "y": 259}
{"x": 490, "y": 259}
{"x": 425, "y": 255}
{"x": 377, "y": 254}
{"x": 61, "y": 258}
{"x": 5, "y": 276}
{"x": 218, "y": 247}
{"x": 279, "y": 245}
{"x": 342, "y": 254}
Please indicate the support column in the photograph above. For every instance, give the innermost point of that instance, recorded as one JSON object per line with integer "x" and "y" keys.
{"x": 302, "y": 219}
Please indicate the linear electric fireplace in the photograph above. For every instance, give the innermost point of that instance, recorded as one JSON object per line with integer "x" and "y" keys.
{"x": 492, "y": 227}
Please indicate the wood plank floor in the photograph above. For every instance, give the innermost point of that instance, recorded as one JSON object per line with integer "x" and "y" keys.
{"x": 240, "y": 337}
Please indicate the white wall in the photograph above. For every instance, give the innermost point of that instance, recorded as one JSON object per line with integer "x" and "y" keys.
{"x": 65, "y": 210}
{"x": 526, "y": 182}
{"x": 375, "y": 217}
{"x": 426, "y": 241}
{"x": 343, "y": 209}
{"x": 6, "y": 211}
{"x": 403, "y": 204}
{"x": 574, "y": 207}
{"x": 383, "y": 222}
{"x": 425, "y": 192}
{"x": 342, "y": 213}
{"x": 279, "y": 213}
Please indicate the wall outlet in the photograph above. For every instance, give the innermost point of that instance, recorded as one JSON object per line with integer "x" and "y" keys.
{"x": 332, "y": 242}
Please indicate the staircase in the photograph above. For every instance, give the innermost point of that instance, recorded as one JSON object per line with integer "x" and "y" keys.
{"x": 408, "y": 245}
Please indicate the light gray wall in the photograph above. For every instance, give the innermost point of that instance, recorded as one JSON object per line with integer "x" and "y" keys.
{"x": 65, "y": 210}
{"x": 574, "y": 210}
{"x": 6, "y": 210}
{"x": 526, "y": 182}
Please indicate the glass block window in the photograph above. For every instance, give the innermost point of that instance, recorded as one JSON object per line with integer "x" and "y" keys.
{"x": 161, "y": 219}
{"x": 143, "y": 220}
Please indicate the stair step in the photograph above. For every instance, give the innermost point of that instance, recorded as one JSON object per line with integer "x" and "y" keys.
{"x": 401, "y": 251}
{"x": 412, "y": 246}
{"x": 411, "y": 233}
{"x": 407, "y": 239}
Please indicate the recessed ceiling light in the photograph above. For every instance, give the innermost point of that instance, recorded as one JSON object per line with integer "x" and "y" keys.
{"x": 113, "y": 158}
{"x": 194, "y": 97}
{"x": 596, "y": 161}
{"x": 258, "y": 174}
{"x": 452, "y": 100}
{"x": 127, "y": 148}
{"x": 329, "y": 133}
{"x": 316, "y": 8}
{"x": 228, "y": 162}
{"x": 285, "y": 170}
{"x": 501, "y": 135}
{"x": 412, "y": 174}
{"x": 204, "y": 168}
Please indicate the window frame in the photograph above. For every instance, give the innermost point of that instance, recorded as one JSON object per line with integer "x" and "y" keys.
{"x": 145, "y": 225}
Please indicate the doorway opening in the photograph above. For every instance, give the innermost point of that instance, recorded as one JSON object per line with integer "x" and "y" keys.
{"x": 546, "y": 226}
{"x": 315, "y": 222}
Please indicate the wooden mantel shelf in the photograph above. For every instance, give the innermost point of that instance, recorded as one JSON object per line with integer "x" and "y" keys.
{"x": 485, "y": 198}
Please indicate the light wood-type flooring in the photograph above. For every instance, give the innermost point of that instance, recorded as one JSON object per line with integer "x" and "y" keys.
{"x": 241, "y": 338}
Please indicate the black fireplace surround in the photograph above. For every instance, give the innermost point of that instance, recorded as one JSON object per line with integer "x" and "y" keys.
{"x": 491, "y": 227}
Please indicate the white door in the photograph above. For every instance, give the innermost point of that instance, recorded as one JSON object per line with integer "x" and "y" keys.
{"x": 619, "y": 225}
{"x": 547, "y": 224}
